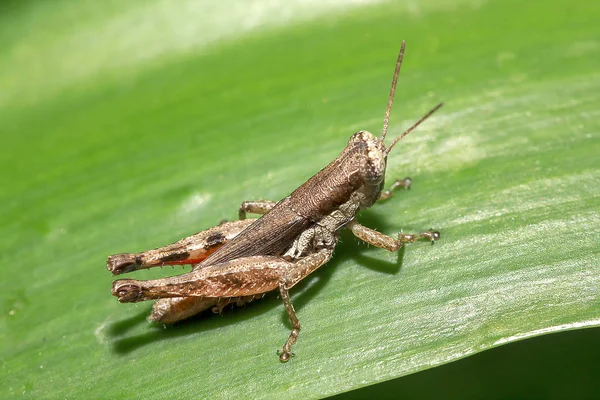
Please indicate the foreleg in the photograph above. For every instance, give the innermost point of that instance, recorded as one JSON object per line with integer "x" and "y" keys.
{"x": 378, "y": 239}
{"x": 399, "y": 183}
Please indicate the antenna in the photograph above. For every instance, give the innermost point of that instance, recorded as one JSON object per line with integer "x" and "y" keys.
{"x": 386, "y": 118}
{"x": 409, "y": 130}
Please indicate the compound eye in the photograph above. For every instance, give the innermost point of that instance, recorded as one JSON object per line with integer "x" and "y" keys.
{"x": 375, "y": 168}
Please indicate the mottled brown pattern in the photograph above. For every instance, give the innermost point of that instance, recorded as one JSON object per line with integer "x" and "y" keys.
{"x": 237, "y": 262}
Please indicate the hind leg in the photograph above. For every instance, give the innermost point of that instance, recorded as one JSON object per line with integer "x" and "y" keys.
{"x": 169, "y": 311}
{"x": 189, "y": 250}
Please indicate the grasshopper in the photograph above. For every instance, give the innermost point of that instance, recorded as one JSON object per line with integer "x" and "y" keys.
{"x": 239, "y": 261}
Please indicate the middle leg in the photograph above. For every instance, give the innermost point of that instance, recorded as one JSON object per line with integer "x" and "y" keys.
{"x": 295, "y": 273}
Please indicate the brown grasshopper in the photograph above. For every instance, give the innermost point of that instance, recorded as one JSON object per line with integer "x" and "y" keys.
{"x": 239, "y": 261}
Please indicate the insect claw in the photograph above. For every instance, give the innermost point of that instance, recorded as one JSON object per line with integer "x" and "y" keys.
{"x": 284, "y": 356}
{"x": 406, "y": 183}
{"x": 433, "y": 235}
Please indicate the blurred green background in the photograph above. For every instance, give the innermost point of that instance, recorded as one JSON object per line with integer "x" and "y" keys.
{"x": 128, "y": 125}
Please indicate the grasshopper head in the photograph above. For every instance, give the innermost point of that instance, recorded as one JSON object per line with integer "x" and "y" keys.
{"x": 373, "y": 153}
{"x": 369, "y": 155}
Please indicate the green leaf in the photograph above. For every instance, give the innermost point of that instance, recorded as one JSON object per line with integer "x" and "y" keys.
{"x": 127, "y": 126}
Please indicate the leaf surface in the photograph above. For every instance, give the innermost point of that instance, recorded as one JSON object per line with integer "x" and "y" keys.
{"x": 127, "y": 126}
